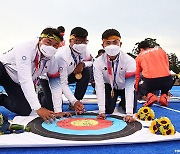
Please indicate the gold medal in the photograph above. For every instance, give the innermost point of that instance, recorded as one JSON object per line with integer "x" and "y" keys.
{"x": 78, "y": 76}
{"x": 112, "y": 93}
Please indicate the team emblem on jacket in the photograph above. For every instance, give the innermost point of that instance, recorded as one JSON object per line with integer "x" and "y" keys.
{"x": 105, "y": 68}
{"x": 23, "y": 57}
{"x": 60, "y": 68}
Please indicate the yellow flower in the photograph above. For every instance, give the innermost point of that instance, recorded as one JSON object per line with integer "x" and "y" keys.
{"x": 145, "y": 110}
{"x": 168, "y": 130}
{"x": 154, "y": 128}
{"x": 164, "y": 121}
{"x": 149, "y": 118}
{"x": 171, "y": 130}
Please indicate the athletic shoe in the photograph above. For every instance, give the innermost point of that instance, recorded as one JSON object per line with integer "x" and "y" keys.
{"x": 163, "y": 100}
{"x": 151, "y": 98}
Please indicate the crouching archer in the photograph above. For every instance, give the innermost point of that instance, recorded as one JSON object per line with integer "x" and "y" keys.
{"x": 19, "y": 69}
{"x": 114, "y": 73}
{"x": 73, "y": 62}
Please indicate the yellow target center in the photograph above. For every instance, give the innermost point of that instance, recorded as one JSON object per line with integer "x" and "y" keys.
{"x": 84, "y": 122}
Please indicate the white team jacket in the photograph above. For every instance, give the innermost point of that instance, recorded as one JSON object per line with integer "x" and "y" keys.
{"x": 124, "y": 79}
{"x": 19, "y": 63}
{"x": 65, "y": 66}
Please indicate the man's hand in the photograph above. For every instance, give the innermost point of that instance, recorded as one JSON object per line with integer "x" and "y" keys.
{"x": 101, "y": 116}
{"x": 129, "y": 118}
{"x": 79, "y": 68}
{"x": 47, "y": 115}
{"x": 63, "y": 114}
{"x": 79, "y": 108}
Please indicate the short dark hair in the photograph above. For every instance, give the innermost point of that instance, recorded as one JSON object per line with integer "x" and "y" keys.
{"x": 100, "y": 51}
{"x": 110, "y": 32}
{"x": 61, "y": 29}
{"x": 144, "y": 45}
{"x": 147, "y": 43}
{"x": 79, "y": 32}
{"x": 52, "y": 31}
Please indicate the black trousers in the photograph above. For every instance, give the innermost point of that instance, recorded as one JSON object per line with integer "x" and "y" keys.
{"x": 163, "y": 83}
{"x": 80, "y": 90}
{"x": 15, "y": 101}
{"x": 45, "y": 96}
{"x": 143, "y": 92}
{"x": 82, "y": 84}
{"x": 110, "y": 102}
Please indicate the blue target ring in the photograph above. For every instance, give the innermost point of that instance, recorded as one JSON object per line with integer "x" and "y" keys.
{"x": 117, "y": 126}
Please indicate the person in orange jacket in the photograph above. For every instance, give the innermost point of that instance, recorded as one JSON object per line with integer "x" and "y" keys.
{"x": 154, "y": 65}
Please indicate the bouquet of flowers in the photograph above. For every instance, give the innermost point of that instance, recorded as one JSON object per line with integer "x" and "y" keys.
{"x": 162, "y": 126}
{"x": 145, "y": 114}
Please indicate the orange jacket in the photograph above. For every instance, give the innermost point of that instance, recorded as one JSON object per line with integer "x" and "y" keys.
{"x": 153, "y": 63}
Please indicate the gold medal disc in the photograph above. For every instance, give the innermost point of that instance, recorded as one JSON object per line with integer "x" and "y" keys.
{"x": 112, "y": 93}
{"x": 78, "y": 76}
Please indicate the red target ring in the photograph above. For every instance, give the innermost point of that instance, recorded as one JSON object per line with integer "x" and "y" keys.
{"x": 84, "y": 124}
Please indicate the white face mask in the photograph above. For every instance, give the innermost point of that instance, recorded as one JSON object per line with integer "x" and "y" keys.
{"x": 112, "y": 50}
{"x": 80, "y": 48}
{"x": 48, "y": 51}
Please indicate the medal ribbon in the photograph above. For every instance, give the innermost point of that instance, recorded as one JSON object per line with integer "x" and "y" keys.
{"x": 37, "y": 62}
{"x": 111, "y": 72}
{"x": 37, "y": 66}
{"x": 74, "y": 57}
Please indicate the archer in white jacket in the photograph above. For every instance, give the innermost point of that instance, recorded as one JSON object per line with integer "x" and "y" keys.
{"x": 19, "y": 69}
{"x": 114, "y": 76}
{"x": 73, "y": 64}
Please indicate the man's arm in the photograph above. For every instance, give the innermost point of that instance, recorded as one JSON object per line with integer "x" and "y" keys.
{"x": 23, "y": 64}
{"x": 138, "y": 70}
{"x": 129, "y": 87}
{"x": 62, "y": 65}
{"x": 87, "y": 59}
{"x": 99, "y": 86}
